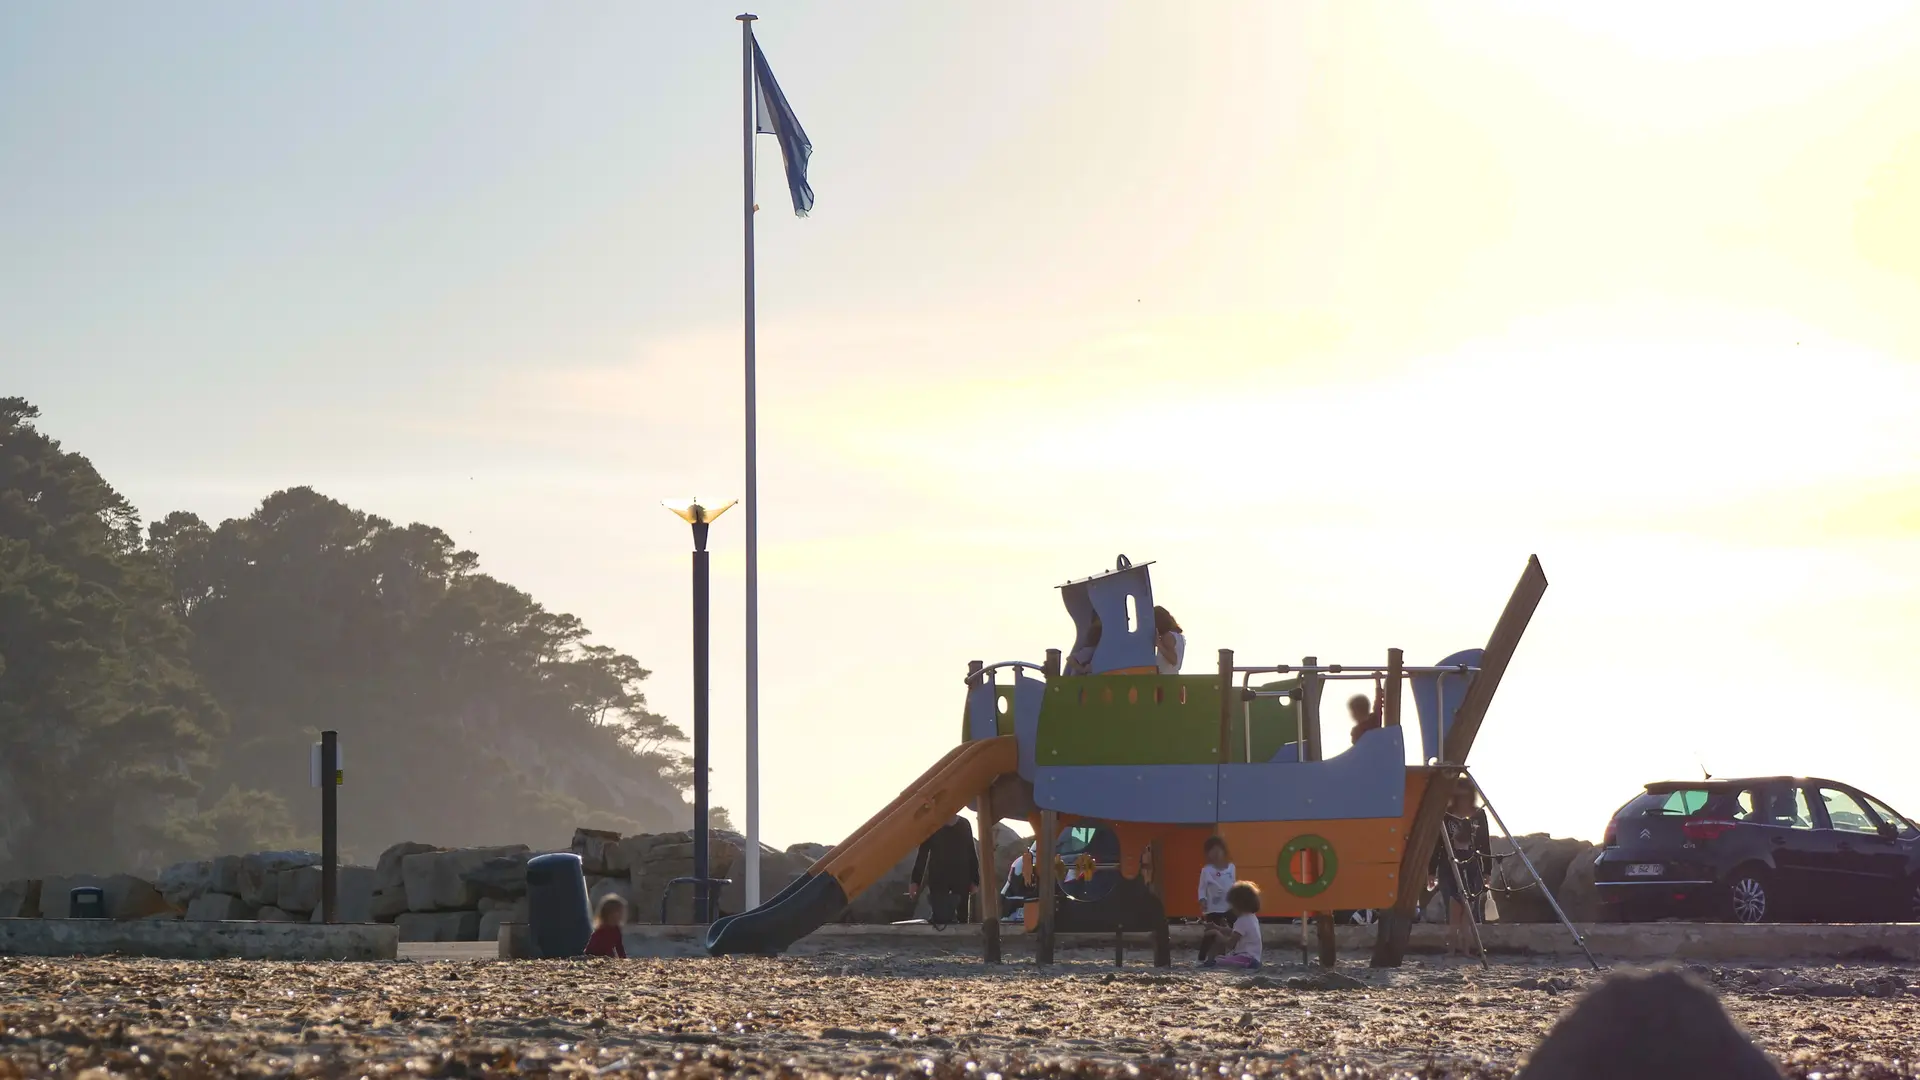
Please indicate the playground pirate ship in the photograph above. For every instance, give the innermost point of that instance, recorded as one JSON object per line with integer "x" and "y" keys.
{"x": 1157, "y": 763}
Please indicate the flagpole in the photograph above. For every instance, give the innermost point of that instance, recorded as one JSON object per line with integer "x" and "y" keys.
{"x": 752, "y": 494}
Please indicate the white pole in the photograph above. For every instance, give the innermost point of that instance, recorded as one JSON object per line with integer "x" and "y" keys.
{"x": 752, "y": 494}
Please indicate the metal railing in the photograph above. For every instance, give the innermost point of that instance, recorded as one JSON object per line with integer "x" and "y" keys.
{"x": 714, "y": 885}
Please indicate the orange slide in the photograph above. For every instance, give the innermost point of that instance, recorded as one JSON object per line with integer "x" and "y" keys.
{"x": 929, "y": 803}
{"x": 870, "y": 851}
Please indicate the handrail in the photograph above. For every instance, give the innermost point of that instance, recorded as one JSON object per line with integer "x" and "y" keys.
{"x": 1015, "y": 664}
{"x": 713, "y": 897}
{"x": 1358, "y": 669}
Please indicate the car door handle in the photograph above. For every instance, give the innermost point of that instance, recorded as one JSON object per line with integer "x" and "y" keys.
{"x": 1779, "y": 841}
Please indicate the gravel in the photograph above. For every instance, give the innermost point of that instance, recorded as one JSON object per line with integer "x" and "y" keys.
{"x": 946, "y": 1018}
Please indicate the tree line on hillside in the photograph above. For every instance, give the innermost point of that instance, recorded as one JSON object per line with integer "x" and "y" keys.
{"x": 160, "y": 688}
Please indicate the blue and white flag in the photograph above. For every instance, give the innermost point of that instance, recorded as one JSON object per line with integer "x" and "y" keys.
{"x": 773, "y": 116}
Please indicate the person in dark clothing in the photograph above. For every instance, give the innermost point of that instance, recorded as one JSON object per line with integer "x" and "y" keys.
{"x": 948, "y": 870}
{"x": 1366, "y": 717}
{"x": 1018, "y": 891}
{"x": 1465, "y": 839}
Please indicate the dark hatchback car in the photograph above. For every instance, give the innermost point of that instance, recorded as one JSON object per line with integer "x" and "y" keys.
{"x": 1770, "y": 849}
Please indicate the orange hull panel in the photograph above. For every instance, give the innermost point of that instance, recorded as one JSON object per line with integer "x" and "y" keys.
{"x": 1368, "y": 851}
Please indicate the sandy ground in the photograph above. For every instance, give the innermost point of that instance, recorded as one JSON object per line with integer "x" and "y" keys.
{"x": 951, "y": 1018}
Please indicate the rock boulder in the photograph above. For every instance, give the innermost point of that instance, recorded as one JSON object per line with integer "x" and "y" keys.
{"x": 885, "y": 900}
{"x": 300, "y": 893}
{"x": 490, "y": 924}
{"x": 1521, "y": 900}
{"x": 501, "y": 878}
{"x": 260, "y": 874}
{"x": 439, "y": 925}
{"x": 387, "y": 874}
{"x": 809, "y": 853}
{"x": 20, "y": 899}
{"x": 435, "y": 881}
{"x": 217, "y": 907}
{"x": 1579, "y": 897}
{"x": 223, "y": 874}
{"x": 613, "y": 886}
{"x": 593, "y": 846}
{"x": 389, "y": 902}
{"x": 626, "y": 855}
{"x": 180, "y": 883}
{"x": 654, "y": 860}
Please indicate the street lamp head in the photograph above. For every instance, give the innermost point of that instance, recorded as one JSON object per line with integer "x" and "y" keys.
{"x": 695, "y": 512}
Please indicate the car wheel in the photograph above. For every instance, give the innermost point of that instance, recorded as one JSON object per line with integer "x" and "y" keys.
{"x": 1747, "y": 896}
{"x": 1912, "y": 913}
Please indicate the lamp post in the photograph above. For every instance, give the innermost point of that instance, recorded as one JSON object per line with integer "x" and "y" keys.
{"x": 699, "y": 515}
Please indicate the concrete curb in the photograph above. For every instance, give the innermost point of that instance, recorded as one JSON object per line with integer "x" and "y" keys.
{"x": 1631, "y": 942}
{"x": 177, "y": 940}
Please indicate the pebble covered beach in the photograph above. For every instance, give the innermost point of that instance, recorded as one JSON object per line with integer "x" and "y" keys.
{"x": 949, "y": 1017}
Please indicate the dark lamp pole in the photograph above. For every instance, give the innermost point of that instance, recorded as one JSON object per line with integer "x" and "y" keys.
{"x": 700, "y": 516}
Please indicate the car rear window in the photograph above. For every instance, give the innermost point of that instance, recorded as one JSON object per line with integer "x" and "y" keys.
{"x": 1678, "y": 802}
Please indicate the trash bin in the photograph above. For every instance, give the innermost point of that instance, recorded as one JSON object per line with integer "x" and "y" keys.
{"x": 87, "y": 902}
{"x": 557, "y": 913}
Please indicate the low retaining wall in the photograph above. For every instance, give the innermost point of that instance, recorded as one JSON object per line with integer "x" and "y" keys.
{"x": 1702, "y": 941}
{"x": 1610, "y": 942}
{"x": 174, "y": 940}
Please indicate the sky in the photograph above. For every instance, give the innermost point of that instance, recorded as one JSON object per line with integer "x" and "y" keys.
{"x": 1338, "y": 312}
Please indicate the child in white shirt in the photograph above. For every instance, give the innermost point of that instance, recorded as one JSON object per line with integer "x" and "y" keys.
{"x": 1216, "y": 877}
{"x": 1243, "y": 942}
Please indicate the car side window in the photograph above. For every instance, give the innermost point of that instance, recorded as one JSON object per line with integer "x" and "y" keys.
{"x": 1901, "y": 826}
{"x": 1783, "y": 807}
{"x": 1846, "y": 814}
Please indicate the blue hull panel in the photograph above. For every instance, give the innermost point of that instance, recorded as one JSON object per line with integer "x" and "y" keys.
{"x": 1368, "y": 781}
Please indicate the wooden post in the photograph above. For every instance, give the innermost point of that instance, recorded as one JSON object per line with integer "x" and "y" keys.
{"x": 1162, "y": 937}
{"x": 1119, "y": 947}
{"x": 1051, "y": 669}
{"x": 1226, "y": 713}
{"x": 1329, "y": 944}
{"x": 1395, "y": 660}
{"x": 989, "y": 820}
{"x": 1047, "y": 841}
{"x": 1396, "y": 925}
{"x": 330, "y": 826}
{"x": 1310, "y": 684}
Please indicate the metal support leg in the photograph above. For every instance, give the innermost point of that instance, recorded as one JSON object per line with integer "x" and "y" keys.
{"x": 1460, "y": 887}
{"x": 1528, "y": 863}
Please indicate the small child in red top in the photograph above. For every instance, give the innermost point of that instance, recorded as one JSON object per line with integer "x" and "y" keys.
{"x": 606, "y": 932}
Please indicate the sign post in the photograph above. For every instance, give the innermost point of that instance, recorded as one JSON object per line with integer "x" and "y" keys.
{"x": 327, "y": 776}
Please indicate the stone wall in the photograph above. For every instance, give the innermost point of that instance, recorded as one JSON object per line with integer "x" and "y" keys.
{"x": 464, "y": 894}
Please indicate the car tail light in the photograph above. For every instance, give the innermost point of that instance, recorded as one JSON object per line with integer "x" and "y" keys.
{"x": 1706, "y": 829}
{"x": 1608, "y": 840}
